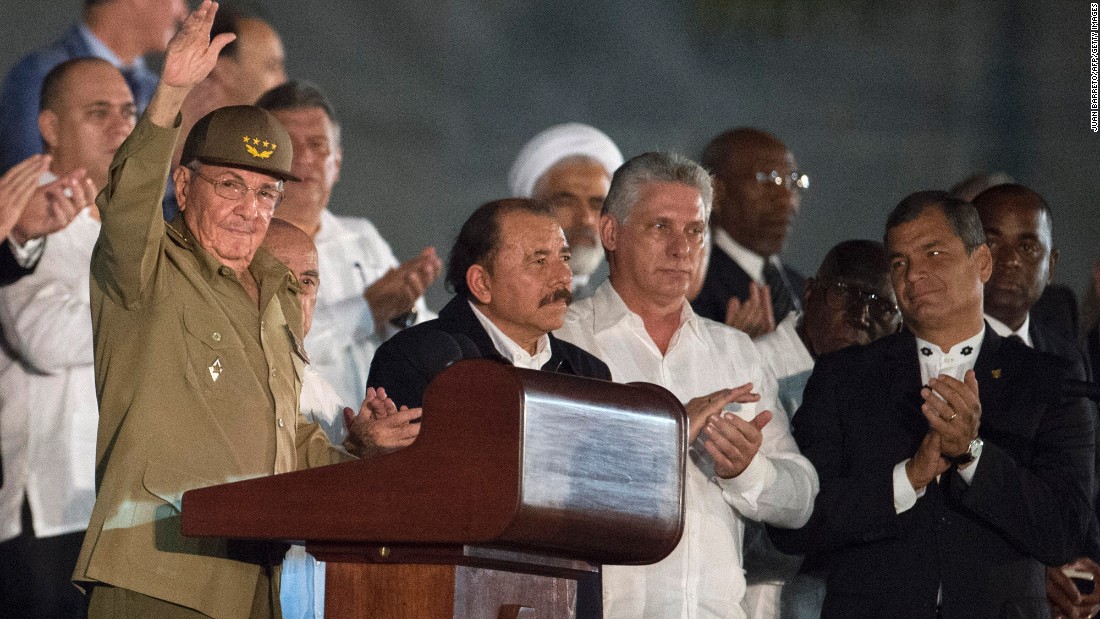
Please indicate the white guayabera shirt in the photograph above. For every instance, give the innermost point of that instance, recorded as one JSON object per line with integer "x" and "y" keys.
{"x": 702, "y": 578}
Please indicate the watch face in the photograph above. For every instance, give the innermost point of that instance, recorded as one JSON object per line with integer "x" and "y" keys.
{"x": 975, "y": 448}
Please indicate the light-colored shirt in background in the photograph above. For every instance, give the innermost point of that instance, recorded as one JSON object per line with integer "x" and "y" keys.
{"x": 351, "y": 256}
{"x": 48, "y": 408}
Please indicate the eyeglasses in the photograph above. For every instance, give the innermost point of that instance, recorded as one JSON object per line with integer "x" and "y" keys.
{"x": 793, "y": 181}
{"x": 234, "y": 189}
{"x": 844, "y": 296}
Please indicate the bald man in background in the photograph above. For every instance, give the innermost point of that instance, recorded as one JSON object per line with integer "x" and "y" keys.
{"x": 48, "y": 406}
{"x": 757, "y": 193}
{"x": 569, "y": 166}
{"x": 302, "y": 590}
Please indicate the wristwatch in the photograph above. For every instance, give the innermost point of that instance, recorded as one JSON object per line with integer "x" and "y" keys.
{"x": 404, "y": 321}
{"x": 971, "y": 454}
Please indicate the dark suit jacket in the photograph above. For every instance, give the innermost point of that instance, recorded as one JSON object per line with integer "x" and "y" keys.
{"x": 725, "y": 279}
{"x": 984, "y": 543}
{"x": 397, "y": 368}
{"x": 1053, "y": 341}
{"x": 10, "y": 270}
{"x": 1056, "y": 311}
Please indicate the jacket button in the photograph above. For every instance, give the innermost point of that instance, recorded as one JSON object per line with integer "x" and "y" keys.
{"x": 217, "y": 337}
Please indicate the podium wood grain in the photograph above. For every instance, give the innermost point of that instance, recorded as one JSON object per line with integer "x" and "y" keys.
{"x": 370, "y": 591}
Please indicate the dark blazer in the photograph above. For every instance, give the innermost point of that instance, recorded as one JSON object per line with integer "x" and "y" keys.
{"x": 1052, "y": 340}
{"x": 1056, "y": 311}
{"x": 725, "y": 279}
{"x": 10, "y": 270}
{"x": 1028, "y": 503}
{"x": 397, "y": 363}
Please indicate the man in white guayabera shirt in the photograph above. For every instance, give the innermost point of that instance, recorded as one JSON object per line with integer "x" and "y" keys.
{"x": 367, "y": 295}
{"x": 640, "y": 323}
{"x": 48, "y": 408}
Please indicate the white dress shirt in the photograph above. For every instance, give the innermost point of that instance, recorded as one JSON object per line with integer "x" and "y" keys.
{"x": 351, "y": 256}
{"x": 790, "y": 362}
{"x": 1003, "y": 330}
{"x": 702, "y": 577}
{"x": 302, "y": 590}
{"x": 750, "y": 261}
{"x": 49, "y": 413}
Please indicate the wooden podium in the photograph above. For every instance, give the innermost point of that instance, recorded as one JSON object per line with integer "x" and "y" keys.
{"x": 519, "y": 483}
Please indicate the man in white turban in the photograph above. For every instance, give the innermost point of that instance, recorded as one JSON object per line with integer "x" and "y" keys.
{"x": 570, "y": 167}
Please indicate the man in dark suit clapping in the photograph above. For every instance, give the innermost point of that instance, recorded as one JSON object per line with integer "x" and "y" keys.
{"x": 951, "y": 467}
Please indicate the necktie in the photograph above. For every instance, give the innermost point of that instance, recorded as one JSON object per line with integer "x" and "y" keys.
{"x": 783, "y": 301}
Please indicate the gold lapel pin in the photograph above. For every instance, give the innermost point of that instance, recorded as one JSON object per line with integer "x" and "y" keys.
{"x": 996, "y": 373}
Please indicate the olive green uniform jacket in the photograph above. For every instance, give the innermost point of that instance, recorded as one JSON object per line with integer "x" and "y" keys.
{"x": 196, "y": 385}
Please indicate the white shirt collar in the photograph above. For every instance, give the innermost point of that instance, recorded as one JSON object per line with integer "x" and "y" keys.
{"x": 954, "y": 363}
{"x": 100, "y": 49}
{"x": 1003, "y": 330}
{"x": 511, "y": 350}
{"x": 611, "y": 311}
{"x": 751, "y": 262}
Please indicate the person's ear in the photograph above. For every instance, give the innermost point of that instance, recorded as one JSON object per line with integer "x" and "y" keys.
{"x": 339, "y": 162}
{"x": 480, "y": 283}
{"x": 49, "y": 125}
{"x": 1052, "y": 264}
{"x": 609, "y": 232}
{"x": 181, "y": 178}
{"x": 985, "y": 262}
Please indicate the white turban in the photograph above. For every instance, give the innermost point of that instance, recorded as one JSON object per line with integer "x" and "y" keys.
{"x": 556, "y": 143}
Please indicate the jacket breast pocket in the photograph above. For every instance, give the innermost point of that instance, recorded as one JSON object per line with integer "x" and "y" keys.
{"x": 217, "y": 365}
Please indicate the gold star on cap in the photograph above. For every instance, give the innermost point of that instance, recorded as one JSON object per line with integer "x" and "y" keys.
{"x": 266, "y": 143}
{"x": 246, "y": 138}
{"x": 255, "y": 140}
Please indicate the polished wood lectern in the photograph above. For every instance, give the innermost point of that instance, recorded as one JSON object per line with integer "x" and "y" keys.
{"x": 519, "y": 482}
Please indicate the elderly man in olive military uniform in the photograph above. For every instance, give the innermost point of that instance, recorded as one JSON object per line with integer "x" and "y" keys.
{"x": 198, "y": 353}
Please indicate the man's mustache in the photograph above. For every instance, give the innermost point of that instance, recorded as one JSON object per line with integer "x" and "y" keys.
{"x": 558, "y": 295}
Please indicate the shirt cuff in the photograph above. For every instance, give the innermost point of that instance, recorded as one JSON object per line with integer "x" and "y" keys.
{"x": 968, "y": 473}
{"x": 750, "y": 484}
{"x": 27, "y": 255}
{"x": 905, "y": 496}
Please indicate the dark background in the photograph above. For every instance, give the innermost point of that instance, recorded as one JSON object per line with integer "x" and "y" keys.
{"x": 876, "y": 99}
